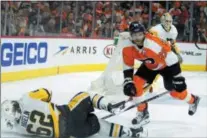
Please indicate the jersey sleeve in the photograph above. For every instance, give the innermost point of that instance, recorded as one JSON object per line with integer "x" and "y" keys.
{"x": 41, "y": 94}
{"x": 175, "y": 33}
{"x": 128, "y": 59}
{"x": 153, "y": 31}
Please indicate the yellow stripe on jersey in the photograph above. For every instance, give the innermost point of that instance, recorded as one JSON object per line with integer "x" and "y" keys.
{"x": 115, "y": 130}
{"x": 77, "y": 99}
{"x": 115, "y": 133}
{"x": 96, "y": 100}
{"x": 55, "y": 116}
{"x": 41, "y": 94}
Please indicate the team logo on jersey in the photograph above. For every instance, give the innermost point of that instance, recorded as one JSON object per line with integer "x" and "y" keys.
{"x": 108, "y": 50}
{"x": 24, "y": 118}
{"x": 148, "y": 60}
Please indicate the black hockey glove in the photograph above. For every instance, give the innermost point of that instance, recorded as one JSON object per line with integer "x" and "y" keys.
{"x": 129, "y": 87}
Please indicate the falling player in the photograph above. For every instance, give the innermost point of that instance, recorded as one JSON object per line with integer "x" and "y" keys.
{"x": 157, "y": 57}
{"x": 168, "y": 32}
{"x": 34, "y": 114}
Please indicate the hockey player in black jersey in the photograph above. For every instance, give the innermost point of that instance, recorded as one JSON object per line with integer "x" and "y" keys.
{"x": 35, "y": 114}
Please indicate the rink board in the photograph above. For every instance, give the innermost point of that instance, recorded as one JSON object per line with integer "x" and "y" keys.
{"x": 26, "y": 58}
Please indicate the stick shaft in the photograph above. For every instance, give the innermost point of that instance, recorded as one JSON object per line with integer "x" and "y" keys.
{"x": 135, "y": 105}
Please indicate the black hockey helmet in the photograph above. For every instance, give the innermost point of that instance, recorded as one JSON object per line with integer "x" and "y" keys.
{"x": 135, "y": 27}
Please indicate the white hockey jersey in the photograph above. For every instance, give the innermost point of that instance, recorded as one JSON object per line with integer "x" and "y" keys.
{"x": 39, "y": 115}
{"x": 159, "y": 31}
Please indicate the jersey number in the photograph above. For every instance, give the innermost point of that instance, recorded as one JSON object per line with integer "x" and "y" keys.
{"x": 45, "y": 126}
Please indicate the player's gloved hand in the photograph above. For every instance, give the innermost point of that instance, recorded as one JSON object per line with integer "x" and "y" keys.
{"x": 177, "y": 52}
{"x": 180, "y": 59}
{"x": 129, "y": 87}
{"x": 116, "y": 107}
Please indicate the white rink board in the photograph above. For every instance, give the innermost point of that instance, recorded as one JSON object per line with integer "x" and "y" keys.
{"x": 65, "y": 52}
{"x": 192, "y": 55}
{"x": 76, "y": 51}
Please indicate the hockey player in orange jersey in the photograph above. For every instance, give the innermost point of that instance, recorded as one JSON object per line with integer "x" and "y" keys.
{"x": 157, "y": 58}
{"x": 168, "y": 32}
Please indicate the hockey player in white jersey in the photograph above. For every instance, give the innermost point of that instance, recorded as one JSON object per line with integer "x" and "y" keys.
{"x": 34, "y": 114}
{"x": 168, "y": 32}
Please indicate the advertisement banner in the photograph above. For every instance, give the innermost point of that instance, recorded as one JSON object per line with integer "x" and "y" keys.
{"x": 191, "y": 54}
{"x": 26, "y": 54}
{"x": 80, "y": 51}
{"x": 19, "y": 54}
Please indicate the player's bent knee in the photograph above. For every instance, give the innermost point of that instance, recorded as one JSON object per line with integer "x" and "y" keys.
{"x": 179, "y": 84}
{"x": 95, "y": 125}
{"x": 90, "y": 127}
{"x": 81, "y": 101}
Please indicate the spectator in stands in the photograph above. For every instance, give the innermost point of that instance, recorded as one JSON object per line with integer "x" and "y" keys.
{"x": 183, "y": 22}
{"x": 52, "y": 17}
{"x": 145, "y": 16}
{"x": 175, "y": 11}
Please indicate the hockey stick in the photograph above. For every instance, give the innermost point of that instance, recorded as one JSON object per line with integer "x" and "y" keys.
{"x": 136, "y": 104}
{"x": 200, "y": 48}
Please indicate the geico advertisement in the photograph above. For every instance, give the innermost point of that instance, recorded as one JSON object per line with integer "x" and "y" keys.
{"x": 191, "y": 54}
{"x": 18, "y": 54}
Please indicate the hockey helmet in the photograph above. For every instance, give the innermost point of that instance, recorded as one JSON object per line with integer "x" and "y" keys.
{"x": 136, "y": 27}
{"x": 137, "y": 31}
{"x": 166, "y": 21}
{"x": 10, "y": 113}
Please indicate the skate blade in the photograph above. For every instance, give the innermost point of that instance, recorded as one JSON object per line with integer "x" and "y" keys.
{"x": 141, "y": 124}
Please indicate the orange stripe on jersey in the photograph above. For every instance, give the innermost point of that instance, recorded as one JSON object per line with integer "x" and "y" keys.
{"x": 164, "y": 44}
{"x": 153, "y": 54}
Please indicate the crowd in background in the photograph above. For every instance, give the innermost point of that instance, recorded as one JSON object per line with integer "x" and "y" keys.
{"x": 100, "y": 19}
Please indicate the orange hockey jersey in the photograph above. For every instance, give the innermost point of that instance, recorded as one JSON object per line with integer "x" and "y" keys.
{"x": 156, "y": 54}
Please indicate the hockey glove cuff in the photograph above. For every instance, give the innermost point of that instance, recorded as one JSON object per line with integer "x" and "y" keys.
{"x": 129, "y": 87}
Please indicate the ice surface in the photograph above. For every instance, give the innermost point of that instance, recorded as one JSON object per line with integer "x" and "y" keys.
{"x": 169, "y": 117}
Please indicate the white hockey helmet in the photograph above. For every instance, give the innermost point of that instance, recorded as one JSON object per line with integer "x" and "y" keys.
{"x": 166, "y": 21}
{"x": 10, "y": 113}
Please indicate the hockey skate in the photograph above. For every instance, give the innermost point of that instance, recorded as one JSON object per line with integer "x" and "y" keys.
{"x": 135, "y": 133}
{"x": 193, "y": 106}
{"x": 139, "y": 133}
{"x": 142, "y": 118}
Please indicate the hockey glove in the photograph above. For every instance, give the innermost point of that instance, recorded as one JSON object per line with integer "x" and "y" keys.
{"x": 129, "y": 87}
{"x": 177, "y": 52}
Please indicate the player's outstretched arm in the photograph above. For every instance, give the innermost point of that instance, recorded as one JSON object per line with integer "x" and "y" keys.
{"x": 102, "y": 103}
{"x": 99, "y": 101}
